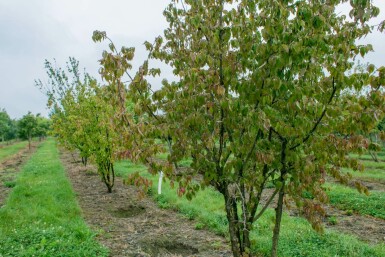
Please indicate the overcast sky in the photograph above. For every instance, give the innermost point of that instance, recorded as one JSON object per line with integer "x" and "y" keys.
{"x": 34, "y": 30}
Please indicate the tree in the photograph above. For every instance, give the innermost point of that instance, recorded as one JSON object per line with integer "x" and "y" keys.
{"x": 12, "y": 131}
{"x": 262, "y": 96}
{"x": 82, "y": 117}
{"x": 43, "y": 126}
{"x": 62, "y": 89}
{"x": 27, "y": 127}
{"x": 5, "y": 121}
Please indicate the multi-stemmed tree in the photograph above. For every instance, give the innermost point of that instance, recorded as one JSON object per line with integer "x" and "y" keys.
{"x": 264, "y": 95}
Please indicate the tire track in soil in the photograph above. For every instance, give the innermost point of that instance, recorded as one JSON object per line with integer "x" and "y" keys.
{"x": 9, "y": 170}
{"x": 130, "y": 226}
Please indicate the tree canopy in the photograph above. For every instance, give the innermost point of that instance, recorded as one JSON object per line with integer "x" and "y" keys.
{"x": 267, "y": 93}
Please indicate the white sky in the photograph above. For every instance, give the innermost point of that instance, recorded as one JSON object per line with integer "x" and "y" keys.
{"x": 34, "y": 30}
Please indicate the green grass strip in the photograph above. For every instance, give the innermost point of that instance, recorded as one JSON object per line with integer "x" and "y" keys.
{"x": 368, "y": 157}
{"x": 297, "y": 236}
{"x": 346, "y": 198}
{"x": 41, "y": 216}
{"x": 372, "y": 174}
{"x": 10, "y": 150}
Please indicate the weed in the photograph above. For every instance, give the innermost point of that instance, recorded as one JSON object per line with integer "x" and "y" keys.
{"x": 10, "y": 184}
{"x": 199, "y": 226}
{"x": 332, "y": 220}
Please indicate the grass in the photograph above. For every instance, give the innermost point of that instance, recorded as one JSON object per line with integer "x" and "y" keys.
{"x": 9, "y": 150}
{"x": 368, "y": 157}
{"x": 346, "y": 198}
{"x": 368, "y": 174}
{"x": 374, "y": 171}
{"x": 41, "y": 216}
{"x": 297, "y": 237}
{"x": 182, "y": 163}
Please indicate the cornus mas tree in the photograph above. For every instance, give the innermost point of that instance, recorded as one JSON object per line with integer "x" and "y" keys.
{"x": 265, "y": 94}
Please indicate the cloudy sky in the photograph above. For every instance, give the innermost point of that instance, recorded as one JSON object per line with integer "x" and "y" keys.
{"x": 34, "y": 30}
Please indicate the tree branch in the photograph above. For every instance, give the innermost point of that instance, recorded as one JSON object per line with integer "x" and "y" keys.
{"x": 318, "y": 120}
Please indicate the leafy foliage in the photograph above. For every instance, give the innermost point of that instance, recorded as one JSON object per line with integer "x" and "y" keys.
{"x": 5, "y": 121}
{"x": 82, "y": 117}
{"x": 265, "y": 94}
{"x": 27, "y": 127}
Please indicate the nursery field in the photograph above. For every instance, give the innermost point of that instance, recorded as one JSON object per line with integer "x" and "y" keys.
{"x": 60, "y": 208}
{"x": 57, "y": 207}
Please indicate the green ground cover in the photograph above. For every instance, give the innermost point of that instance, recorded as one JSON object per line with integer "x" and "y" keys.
{"x": 368, "y": 174}
{"x": 9, "y": 150}
{"x": 297, "y": 237}
{"x": 346, "y": 198}
{"x": 41, "y": 216}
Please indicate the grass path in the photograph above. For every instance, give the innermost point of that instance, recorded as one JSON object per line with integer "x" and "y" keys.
{"x": 10, "y": 150}
{"x": 41, "y": 216}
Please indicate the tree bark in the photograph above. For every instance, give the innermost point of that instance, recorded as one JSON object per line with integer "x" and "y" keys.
{"x": 277, "y": 226}
{"x": 29, "y": 142}
{"x": 232, "y": 217}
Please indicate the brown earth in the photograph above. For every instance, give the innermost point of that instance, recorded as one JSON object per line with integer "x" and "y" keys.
{"x": 9, "y": 169}
{"x": 132, "y": 226}
{"x": 366, "y": 228}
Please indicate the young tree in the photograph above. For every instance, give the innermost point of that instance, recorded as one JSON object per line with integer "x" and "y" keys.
{"x": 63, "y": 88}
{"x": 82, "y": 117}
{"x": 12, "y": 131}
{"x": 27, "y": 127}
{"x": 261, "y": 96}
{"x": 43, "y": 127}
{"x": 5, "y": 121}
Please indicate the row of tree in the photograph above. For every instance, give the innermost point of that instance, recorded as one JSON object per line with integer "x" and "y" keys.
{"x": 25, "y": 128}
{"x": 82, "y": 116}
{"x": 267, "y": 92}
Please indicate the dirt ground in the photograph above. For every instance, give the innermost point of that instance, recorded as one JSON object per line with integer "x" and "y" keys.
{"x": 9, "y": 169}
{"x": 130, "y": 226}
{"x": 366, "y": 228}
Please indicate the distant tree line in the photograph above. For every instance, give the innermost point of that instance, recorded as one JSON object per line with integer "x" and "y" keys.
{"x": 25, "y": 128}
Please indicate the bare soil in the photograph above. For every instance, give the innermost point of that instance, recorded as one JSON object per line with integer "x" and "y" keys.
{"x": 132, "y": 226}
{"x": 9, "y": 169}
{"x": 366, "y": 228}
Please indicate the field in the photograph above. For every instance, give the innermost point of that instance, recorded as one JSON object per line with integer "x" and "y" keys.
{"x": 53, "y": 206}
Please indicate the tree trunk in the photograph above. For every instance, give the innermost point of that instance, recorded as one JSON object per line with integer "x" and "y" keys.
{"x": 29, "y": 142}
{"x": 108, "y": 175}
{"x": 234, "y": 226}
{"x": 278, "y": 218}
{"x": 84, "y": 161}
{"x": 374, "y": 156}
